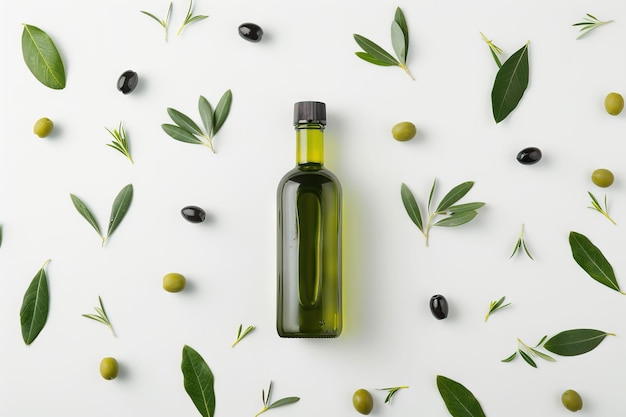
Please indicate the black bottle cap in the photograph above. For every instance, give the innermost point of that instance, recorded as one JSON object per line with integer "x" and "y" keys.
{"x": 309, "y": 112}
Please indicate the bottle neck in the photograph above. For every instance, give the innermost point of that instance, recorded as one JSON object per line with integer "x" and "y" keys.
{"x": 310, "y": 144}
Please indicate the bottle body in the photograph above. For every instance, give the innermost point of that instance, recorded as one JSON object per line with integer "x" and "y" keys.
{"x": 309, "y": 254}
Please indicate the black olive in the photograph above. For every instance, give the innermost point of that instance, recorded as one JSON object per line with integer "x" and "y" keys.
{"x": 251, "y": 32}
{"x": 439, "y": 306}
{"x": 529, "y": 156}
{"x": 127, "y": 81}
{"x": 193, "y": 214}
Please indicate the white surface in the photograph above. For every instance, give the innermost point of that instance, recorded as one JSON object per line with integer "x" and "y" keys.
{"x": 390, "y": 337}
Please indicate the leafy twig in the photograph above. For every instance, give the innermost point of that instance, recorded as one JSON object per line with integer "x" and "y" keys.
{"x": 595, "y": 205}
{"x": 391, "y": 392}
{"x": 101, "y": 316}
{"x": 495, "y": 51}
{"x": 120, "y": 141}
{"x": 241, "y": 335}
{"x": 528, "y": 353}
{"x": 186, "y": 130}
{"x": 376, "y": 55}
{"x": 589, "y": 23}
{"x": 163, "y": 22}
{"x": 457, "y": 214}
{"x": 495, "y": 306}
{"x": 190, "y": 18}
{"x": 521, "y": 243}
{"x": 269, "y": 405}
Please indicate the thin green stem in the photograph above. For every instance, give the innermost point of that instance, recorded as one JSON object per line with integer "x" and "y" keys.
{"x": 406, "y": 69}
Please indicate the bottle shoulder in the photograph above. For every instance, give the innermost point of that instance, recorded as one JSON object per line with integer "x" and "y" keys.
{"x": 299, "y": 174}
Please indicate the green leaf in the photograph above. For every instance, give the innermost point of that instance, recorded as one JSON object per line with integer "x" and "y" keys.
{"x": 510, "y": 84}
{"x": 401, "y": 21}
{"x": 465, "y": 207}
{"x": 375, "y": 51}
{"x": 1, "y": 235}
{"x": 283, "y": 401}
{"x": 120, "y": 207}
{"x": 367, "y": 57}
{"x": 456, "y": 219}
{"x": 397, "y": 40}
{"x": 221, "y": 111}
{"x": 198, "y": 381}
{"x": 42, "y": 57}
{"x": 411, "y": 206}
{"x": 592, "y": 261}
{"x": 86, "y": 213}
{"x": 510, "y": 358}
{"x": 178, "y": 133}
{"x": 575, "y": 342}
{"x": 206, "y": 113}
{"x": 184, "y": 121}
{"x": 454, "y": 195}
{"x": 430, "y": 195}
{"x": 35, "y": 306}
{"x": 527, "y": 358}
{"x": 154, "y": 17}
{"x": 458, "y": 399}
{"x": 542, "y": 355}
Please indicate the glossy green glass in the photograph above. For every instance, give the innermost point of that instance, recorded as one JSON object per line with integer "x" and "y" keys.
{"x": 309, "y": 242}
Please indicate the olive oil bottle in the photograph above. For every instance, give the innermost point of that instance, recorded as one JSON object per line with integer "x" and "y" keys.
{"x": 309, "y": 235}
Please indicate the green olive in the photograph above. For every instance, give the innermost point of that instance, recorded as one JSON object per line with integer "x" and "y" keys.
{"x": 614, "y": 103}
{"x": 174, "y": 282}
{"x": 43, "y": 127}
{"x": 363, "y": 401}
{"x": 602, "y": 177}
{"x": 109, "y": 368}
{"x": 403, "y": 131}
{"x": 572, "y": 400}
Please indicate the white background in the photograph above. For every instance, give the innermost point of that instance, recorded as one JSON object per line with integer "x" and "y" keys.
{"x": 390, "y": 337}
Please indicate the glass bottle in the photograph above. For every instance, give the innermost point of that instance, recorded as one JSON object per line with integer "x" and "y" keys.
{"x": 309, "y": 235}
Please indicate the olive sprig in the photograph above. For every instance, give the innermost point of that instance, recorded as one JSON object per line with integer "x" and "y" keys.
{"x": 163, "y": 22}
{"x": 391, "y": 391}
{"x": 527, "y": 352}
{"x": 267, "y": 405}
{"x": 376, "y": 55}
{"x": 120, "y": 141}
{"x": 589, "y": 23}
{"x": 101, "y": 316}
{"x": 521, "y": 244}
{"x": 241, "y": 334}
{"x": 457, "y": 214}
{"x": 190, "y": 18}
{"x": 495, "y": 306}
{"x": 186, "y": 130}
{"x": 495, "y": 51}
{"x": 595, "y": 205}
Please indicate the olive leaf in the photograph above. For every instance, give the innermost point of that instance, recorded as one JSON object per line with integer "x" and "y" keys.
{"x": 495, "y": 306}
{"x": 118, "y": 211}
{"x": 35, "y": 306}
{"x": 510, "y": 84}
{"x": 575, "y": 342}
{"x": 268, "y": 405}
{"x": 376, "y": 55}
{"x": 595, "y": 205}
{"x": 391, "y": 391}
{"x": 188, "y": 131}
{"x": 163, "y": 22}
{"x": 592, "y": 261}
{"x": 101, "y": 316}
{"x": 242, "y": 333}
{"x": 42, "y": 57}
{"x": 566, "y": 343}
{"x": 459, "y": 401}
{"x": 198, "y": 381}
{"x": 457, "y": 214}
{"x": 190, "y": 18}
{"x": 589, "y": 23}
{"x": 521, "y": 244}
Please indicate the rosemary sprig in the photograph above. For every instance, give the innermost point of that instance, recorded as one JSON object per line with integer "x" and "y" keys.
{"x": 495, "y": 306}
{"x": 588, "y": 24}
{"x": 595, "y": 205}
{"x": 495, "y": 51}
{"x": 120, "y": 141}
{"x": 241, "y": 335}
{"x": 101, "y": 316}
{"x": 269, "y": 405}
{"x": 190, "y": 18}
{"x": 163, "y": 22}
{"x": 391, "y": 391}
{"x": 521, "y": 244}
